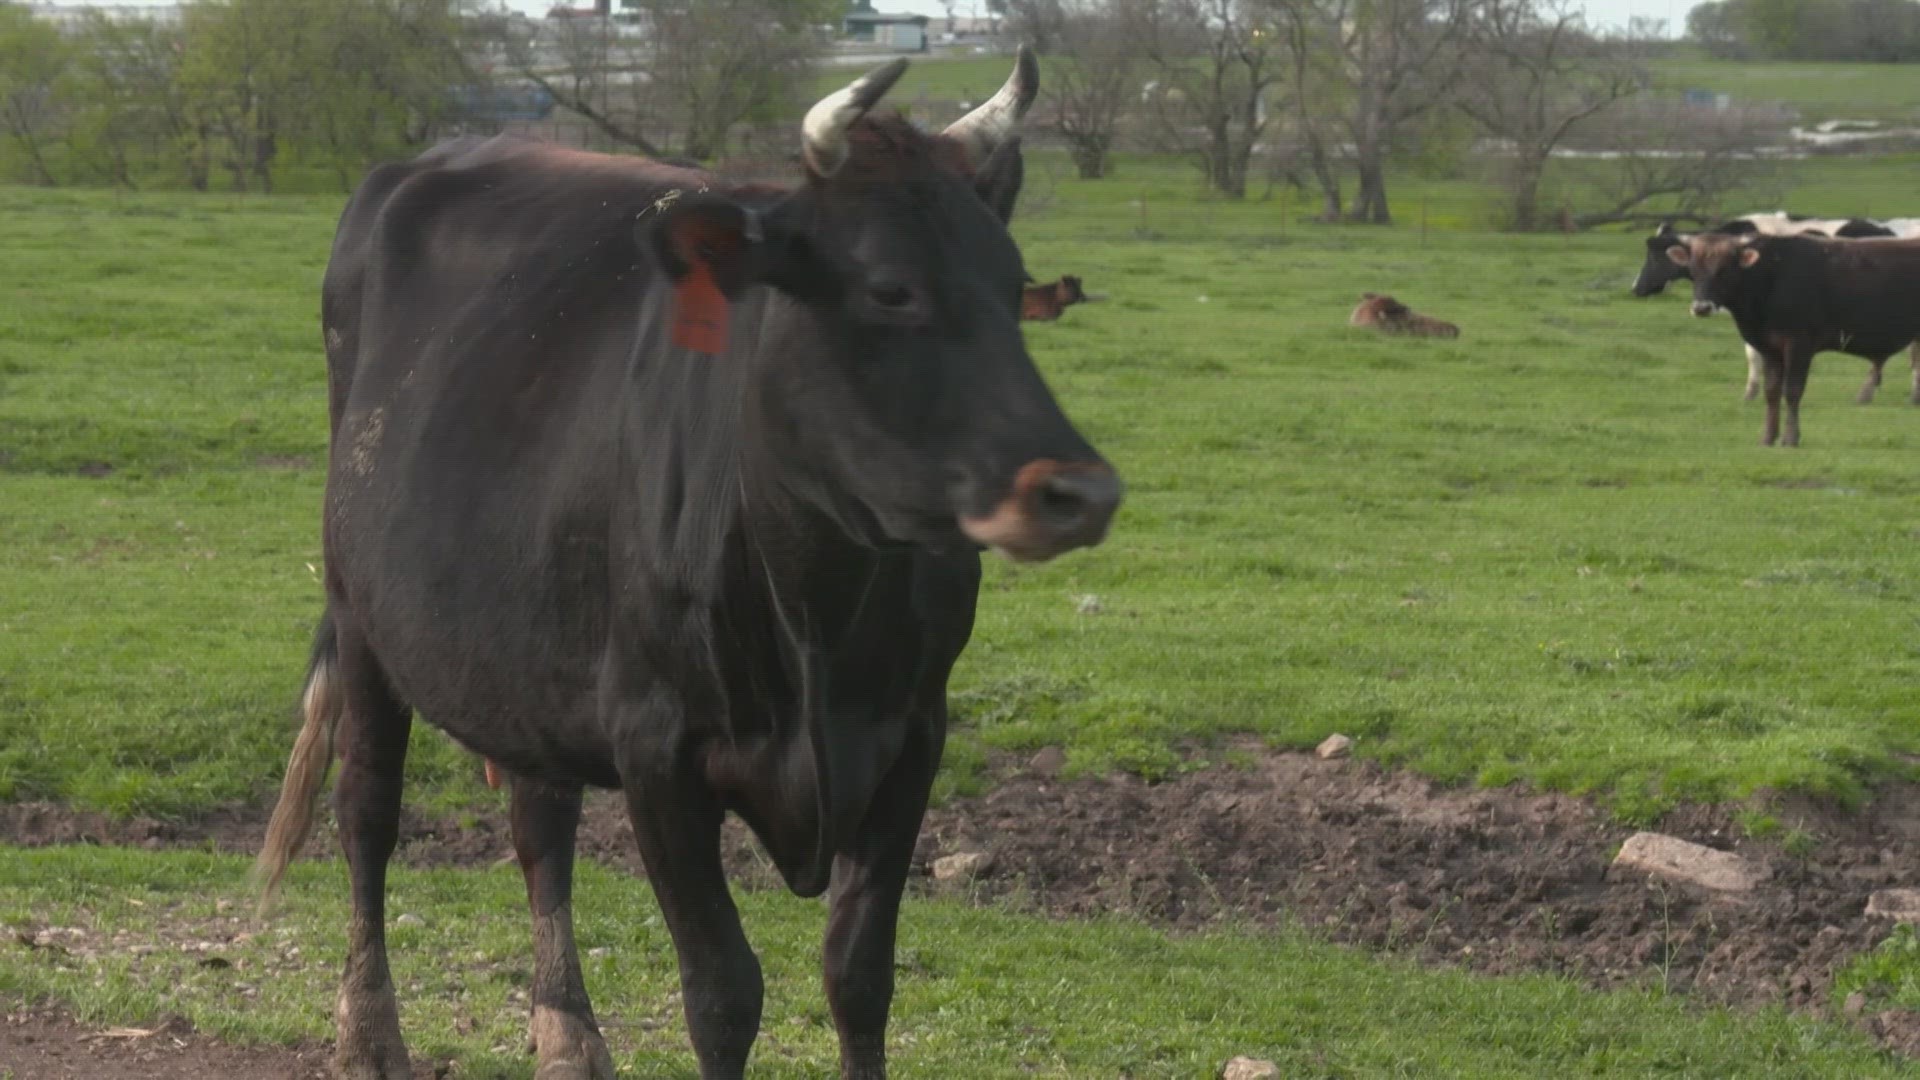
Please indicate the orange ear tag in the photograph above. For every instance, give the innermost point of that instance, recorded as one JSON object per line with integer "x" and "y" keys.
{"x": 700, "y": 312}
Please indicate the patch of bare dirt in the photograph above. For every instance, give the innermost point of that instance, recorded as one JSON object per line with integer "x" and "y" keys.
{"x": 1495, "y": 880}
{"x": 39, "y": 1043}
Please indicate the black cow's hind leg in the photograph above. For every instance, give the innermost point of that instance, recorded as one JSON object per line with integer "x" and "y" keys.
{"x": 1913, "y": 362}
{"x": 565, "y": 1038}
{"x": 372, "y": 744}
{"x": 1798, "y": 364}
{"x": 868, "y": 878}
{"x": 1865, "y": 397}
{"x": 677, "y": 820}
{"x": 1774, "y": 372}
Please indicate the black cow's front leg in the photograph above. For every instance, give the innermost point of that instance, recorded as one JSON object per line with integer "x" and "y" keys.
{"x": 1775, "y": 373}
{"x": 1798, "y": 364}
{"x": 565, "y": 1038}
{"x": 868, "y": 879}
{"x": 372, "y": 742}
{"x": 677, "y": 822}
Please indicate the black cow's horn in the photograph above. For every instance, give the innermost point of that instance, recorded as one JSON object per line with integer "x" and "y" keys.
{"x": 823, "y": 134}
{"x": 989, "y": 125}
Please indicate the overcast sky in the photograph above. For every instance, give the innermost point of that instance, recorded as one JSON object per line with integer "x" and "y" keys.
{"x": 1602, "y": 13}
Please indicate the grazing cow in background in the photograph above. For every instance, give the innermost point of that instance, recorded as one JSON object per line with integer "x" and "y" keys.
{"x": 1044, "y": 303}
{"x": 1795, "y": 296}
{"x": 1384, "y": 313}
{"x": 644, "y": 479}
{"x": 1657, "y": 271}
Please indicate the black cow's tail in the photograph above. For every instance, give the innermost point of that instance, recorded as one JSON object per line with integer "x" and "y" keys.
{"x": 321, "y": 705}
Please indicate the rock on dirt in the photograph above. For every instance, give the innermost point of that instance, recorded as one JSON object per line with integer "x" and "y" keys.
{"x": 1048, "y": 762}
{"x": 962, "y": 866}
{"x": 1335, "y": 746}
{"x": 1246, "y": 1068}
{"x": 1900, "y": 905}
{"x": 1689, "y": 863}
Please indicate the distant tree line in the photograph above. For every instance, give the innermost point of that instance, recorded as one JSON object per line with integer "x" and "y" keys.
{"x": 1325, "y": 92}
{"x": 227, "y": 94}
{"x": 1319, "y": 95}
{"x": 1883, "y": 31}
{"x": 236, "y": 92}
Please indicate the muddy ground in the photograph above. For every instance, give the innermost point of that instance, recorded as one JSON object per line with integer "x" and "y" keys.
{"x": 1493, "y": 880}
{"x": 48, "y": 1044}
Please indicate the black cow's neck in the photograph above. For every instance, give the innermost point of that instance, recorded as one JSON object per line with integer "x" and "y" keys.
{"x": 730, "y": 521}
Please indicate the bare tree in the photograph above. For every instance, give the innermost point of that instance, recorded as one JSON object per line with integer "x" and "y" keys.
{"x": 1315, "y": 89}
{"x": 718, "y": 62}
{"x": 585, "y": 65}
{"x": 1215, "y": 62}
{"x": 33, "y": 63}
{"x": 1097, "y": 78}
{"x": 1692, "y": 159}
{"x": 1537, "y": 75}
{"x": 1360, "y": 72}
{"x": 697, "y": 70}
{"x": 1404, "y": 58}
{"x": 1039, "y": 23}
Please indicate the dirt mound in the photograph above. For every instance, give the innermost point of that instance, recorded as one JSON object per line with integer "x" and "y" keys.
{"x": 1495, "y": 880}
{"x": 48, "y": 1044}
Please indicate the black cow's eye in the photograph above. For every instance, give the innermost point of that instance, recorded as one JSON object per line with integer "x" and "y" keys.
{"x": 891, "y": 295}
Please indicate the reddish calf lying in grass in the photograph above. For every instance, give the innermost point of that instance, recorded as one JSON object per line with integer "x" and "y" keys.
{"x": 1044, "y": 303}
{"x": 1383, "y": 312}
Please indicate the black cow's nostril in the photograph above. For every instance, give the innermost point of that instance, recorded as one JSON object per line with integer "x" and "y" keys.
{"x": 1078, "y": 498}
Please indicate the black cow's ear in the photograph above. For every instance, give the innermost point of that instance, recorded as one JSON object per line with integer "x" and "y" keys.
{"x": 1749, "y": 256}
{"x": 1000, "y": 177}
{"x": 1680, "y": 254}
{"x": 705, "y": 236}
{"x": 713, "y": 249}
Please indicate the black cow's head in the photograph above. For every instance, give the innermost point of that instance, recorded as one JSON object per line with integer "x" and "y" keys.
{"x": 891, "y": 357}
{"x": 1657, "y": 269}
{"x": 1723, "y": 268}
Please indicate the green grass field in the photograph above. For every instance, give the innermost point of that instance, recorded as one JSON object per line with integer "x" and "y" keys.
{"x": 1549, "y": 552}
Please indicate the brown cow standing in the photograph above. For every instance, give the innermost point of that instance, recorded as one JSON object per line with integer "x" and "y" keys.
{"x": 1386, "y": 314}
{"x": 1044, "y": 303}
{"x": 1795, "y": 296}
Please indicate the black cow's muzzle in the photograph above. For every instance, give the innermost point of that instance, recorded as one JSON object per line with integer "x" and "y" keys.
{"x": 1704, "y": 308}
{"x": 1054, "y": 507}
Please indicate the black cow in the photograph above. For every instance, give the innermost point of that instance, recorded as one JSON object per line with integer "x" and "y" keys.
{"x": 644, "y": 479}
{"x": 1795, "y": 296}
{"x": 1657, "y": 270}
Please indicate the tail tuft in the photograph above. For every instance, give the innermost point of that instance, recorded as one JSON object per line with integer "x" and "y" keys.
{"x": 292, "y": 822}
